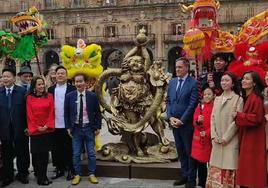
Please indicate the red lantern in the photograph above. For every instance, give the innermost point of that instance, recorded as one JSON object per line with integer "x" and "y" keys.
{"x": 194, "y": 42}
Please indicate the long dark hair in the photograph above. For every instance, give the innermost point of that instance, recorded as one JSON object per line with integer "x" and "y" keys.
{"x": 236, "y": 87}
{"x": 258, "y": 87}
{"x": 33, "y": 86}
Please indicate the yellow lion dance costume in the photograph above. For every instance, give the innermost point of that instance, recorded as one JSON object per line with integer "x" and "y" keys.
{"x": 84, "y": 60}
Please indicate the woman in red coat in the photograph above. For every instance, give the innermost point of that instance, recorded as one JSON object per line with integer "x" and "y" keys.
{"x": 41, "y": 122}
{"x": 251, "y": 170}
{"x": 265, "y": 104}
{"x": 201, "y": 144}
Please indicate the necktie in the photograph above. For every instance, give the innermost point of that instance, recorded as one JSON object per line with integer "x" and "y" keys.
{"x": 179, "y": 84}
{"x": 80, "y": 120}
{"x": 9, "y": 98}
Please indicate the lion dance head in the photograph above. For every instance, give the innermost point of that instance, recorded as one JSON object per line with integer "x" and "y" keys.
{"x": 82, "y": 60}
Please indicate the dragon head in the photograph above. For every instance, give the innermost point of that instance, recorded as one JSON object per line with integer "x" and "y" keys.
{"x": 83, "y": 59}
{"x": 204, "y": 14}
{"x": 28, "y": 22}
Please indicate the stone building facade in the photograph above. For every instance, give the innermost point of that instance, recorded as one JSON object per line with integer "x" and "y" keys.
{"x": 114, "y": 24}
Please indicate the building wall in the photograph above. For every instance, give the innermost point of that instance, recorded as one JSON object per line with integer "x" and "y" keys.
{"x": 95, "y": 16}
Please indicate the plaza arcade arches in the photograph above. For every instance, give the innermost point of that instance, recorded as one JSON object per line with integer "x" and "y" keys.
{"x": 51, "y": 57}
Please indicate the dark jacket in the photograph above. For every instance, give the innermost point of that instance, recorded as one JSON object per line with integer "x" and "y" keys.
{"x": 93, "y": 110}
{"x": 68, "y": 90}
{"x": 217, "y": 81}
{"x": 182, "y": 106}
{"x": 14, "y": 122}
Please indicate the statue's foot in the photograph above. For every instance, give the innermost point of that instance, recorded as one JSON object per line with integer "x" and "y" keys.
{"x": 165, "y": 141}
{"x": 140, "y": 153}
{"x": 145, "y": 150}
{"x": 164, "y": 149}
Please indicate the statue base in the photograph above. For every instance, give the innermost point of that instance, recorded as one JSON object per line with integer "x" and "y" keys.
{"x": 119, "y": 152}
{"x": 167, "y": 171}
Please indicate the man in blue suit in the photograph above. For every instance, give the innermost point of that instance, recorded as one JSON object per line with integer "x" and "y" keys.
{"x": 13, "y": 125}
{"x": 83, "y": 119}
{"x": 182, "y": 99}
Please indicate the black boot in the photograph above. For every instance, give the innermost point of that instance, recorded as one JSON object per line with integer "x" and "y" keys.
{"x": 70, "y": 175}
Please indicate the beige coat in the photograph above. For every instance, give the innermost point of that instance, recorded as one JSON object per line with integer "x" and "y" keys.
{"x": 223, "y": 127}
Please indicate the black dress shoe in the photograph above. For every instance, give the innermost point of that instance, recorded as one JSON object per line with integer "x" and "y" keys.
{"x": 49, "y": 181}
{"x": 7, "y": 182}
{"x": 58, "y": 174}
{"x": 190, "y": 185}
{"x": 70, "y": 175}
{"x": 180, "y": 181}
{"x": 43, "y": 182}
{"x": 22, "y": 178}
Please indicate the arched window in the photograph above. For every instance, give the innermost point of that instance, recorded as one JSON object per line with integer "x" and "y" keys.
{"x": 79, "y": 32}
{"x": 23, "y": 6}
{"x": 109, "y": 2}
{"x": 48, "y": 3}
{"x": 144, "y": 26}
{"x": 97, "y": 31}
{"x": 124, "y": 30}
{"x": 110, "y": 31}
{"x": 51, "y": 34}
{"x": 77, "y": 3}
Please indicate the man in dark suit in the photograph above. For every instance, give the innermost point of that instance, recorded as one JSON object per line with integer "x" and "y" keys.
{"x": 83, "y": 118}
{"x": 13, "y": 125}
{"x": 62, "y": 142}
{"x": 182, "y": 99}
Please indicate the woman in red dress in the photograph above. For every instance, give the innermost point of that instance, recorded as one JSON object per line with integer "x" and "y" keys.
{"x": 265, "y": 103}
{"x": 201, "y": 144}
{"x": 41, "y": 122}
{"x": 251, "y": 170}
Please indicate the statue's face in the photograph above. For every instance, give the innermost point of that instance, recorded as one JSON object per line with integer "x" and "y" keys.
{"x": 136, "y": 63}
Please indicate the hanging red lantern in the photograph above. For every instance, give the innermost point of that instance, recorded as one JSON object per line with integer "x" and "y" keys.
{"x": 194, "y": 42}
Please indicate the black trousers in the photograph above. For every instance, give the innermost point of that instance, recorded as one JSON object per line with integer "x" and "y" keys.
{"x": 62, "y": 150}
{"x": 18, "y": 148}
{"x": 201, "y": 169}
{"x": 41, "y": 162}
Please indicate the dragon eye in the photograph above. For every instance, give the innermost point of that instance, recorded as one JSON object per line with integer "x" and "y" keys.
{"x": 67, "y": 56}
{"x": 93, "y": 54}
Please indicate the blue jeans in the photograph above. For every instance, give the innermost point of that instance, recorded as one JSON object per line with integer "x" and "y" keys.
{"x": 81, "y": 135}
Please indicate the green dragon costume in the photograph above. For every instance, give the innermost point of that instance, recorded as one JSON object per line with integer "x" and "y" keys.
{"x": 31, "y": 35}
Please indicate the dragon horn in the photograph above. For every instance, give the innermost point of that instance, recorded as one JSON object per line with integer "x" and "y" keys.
{"x": 218, "y": 5}
{"x": 185, "y": 8}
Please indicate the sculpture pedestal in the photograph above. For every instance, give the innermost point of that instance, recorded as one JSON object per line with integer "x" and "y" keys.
{"x": 166, "y": 171}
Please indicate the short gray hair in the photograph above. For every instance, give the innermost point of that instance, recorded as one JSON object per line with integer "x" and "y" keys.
{"x": 185, "y": 61}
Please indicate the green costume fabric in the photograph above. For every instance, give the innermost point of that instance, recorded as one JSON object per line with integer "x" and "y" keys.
{"x": 24, "y": 50}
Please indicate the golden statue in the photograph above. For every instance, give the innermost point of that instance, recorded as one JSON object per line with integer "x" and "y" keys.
{"x": 138, "y": 102}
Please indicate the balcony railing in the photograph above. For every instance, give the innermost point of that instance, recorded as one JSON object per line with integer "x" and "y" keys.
{"x": 54, "y": 42}
{"x": 73, "y": 40}
{"x": 172, "y": 38}
{"x": 106, "y": 40}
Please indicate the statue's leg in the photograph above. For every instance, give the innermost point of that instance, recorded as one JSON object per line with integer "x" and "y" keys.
{"x": 137, "y": 142}
{"x": 157, "y": 126}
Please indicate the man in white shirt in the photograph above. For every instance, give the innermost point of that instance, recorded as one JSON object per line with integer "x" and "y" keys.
{"x": 62, "y": 142}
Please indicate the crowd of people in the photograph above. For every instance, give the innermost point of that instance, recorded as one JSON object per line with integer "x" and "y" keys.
{"x": 55, "y": 116}
{"x": 221, "y": 139}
